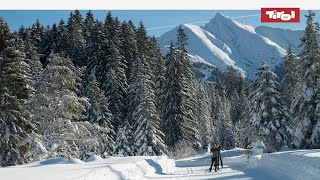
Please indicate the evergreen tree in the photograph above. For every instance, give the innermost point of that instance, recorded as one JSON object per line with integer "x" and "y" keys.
{"x": 99, "y": 113}
{"x": 188, "y": 102}
{"x": 37, "y": 32}
{"x": 89, "y": 36}
{"x": 178, "y": 123}
{"x": 172, "y": 117}
{"x": 16, "y": 90}
{"x": 159, "y": 82}
{"x": 124, "y": 141}
{"x": 290, "y": 64}
{"x": 148, "y": 136}
{"x": 57, "y": 108}
{"x": 32, "y": 57}
{"x": 235, "y": 93}
{"x": 204, "y": 105}
{"x": 112, "y": 72}
{"x": 129, "y": 43}
{"x": 61, "y": 46}
{"x": 268, "y": 115}
{"x": 305, "y": 106}
{"x": 222, "y": 124}
{"x": 145, "y": 120}
{"x": 75, "y": 41}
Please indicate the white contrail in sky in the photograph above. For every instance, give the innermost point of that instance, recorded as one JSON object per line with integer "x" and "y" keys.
{"x": 239, "y": 17}
{"x": 197, "y": 22}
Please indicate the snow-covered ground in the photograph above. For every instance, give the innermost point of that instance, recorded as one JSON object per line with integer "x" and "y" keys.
{"x": 295, "y": 164}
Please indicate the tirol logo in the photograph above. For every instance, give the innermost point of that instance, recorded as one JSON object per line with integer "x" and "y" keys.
{"x": 280, "y": 14}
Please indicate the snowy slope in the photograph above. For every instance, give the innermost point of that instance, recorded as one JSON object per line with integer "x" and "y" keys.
{"x": 248, "y": 47}
{"x": 224, "y": 42}
{"x": 202, "y": 44}
{"x": 114, "y": 168}
{"x": 288, "y": 165}
{"x": 283, "y": 37}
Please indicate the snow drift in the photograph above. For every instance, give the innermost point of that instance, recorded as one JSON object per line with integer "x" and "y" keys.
{"x": 289, "y": 165}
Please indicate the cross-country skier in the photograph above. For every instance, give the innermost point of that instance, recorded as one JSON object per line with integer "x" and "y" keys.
{"x": 214, "y": 158}
{"x": 219, "y": 156}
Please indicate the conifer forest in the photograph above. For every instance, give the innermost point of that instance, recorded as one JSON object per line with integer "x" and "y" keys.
{"x": 85, "y": 87}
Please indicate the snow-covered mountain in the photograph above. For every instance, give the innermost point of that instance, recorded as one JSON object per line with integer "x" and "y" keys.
{"x": 225, "y": 42}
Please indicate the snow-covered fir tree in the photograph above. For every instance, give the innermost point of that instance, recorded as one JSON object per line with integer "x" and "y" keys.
{"x": 55, "y": 106}
{"x": 145, "y": 120}
{"x": 37, "y": 31}
{"x": 305, "y": 106}
{"x": 188, "y": 101}
{"x": 172, "y": 115}
{"x": 75, "y": 41}
{"x": 111, "y": 72}
{"x": 268, "y": 114}
{"x": 32, "y": 57}
{"x": 223, "y": 128}
{"x": 290, "y": 64}
{"x": 204, "y": 107}
{"x": 179, "y": 121}
{"x": 100, "y": 114}
{"x": 129, "y": 43}
{"x": 236, "y": 92}
{"x": 16, "y": 89}
{"x": 124, "y": 141}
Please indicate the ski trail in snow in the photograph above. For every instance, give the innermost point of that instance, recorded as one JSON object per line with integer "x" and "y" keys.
{"x": 235, "y": 167}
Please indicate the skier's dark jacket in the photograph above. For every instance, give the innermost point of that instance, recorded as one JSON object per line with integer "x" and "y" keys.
{"x": 214, "y": 152}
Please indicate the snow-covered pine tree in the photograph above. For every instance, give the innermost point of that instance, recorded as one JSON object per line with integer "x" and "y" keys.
{"x": 61, "y": 46}
{"x": 188, "y": 101}
{"x": 92, "y": 140}
{"x": 4, "y": 36}
{"x": 148, "y": 137}
{"x": 145, "y": 120}
{"x": 89, "y": 37}
{"x": 100, "y": 114}
{"x": 32, "y": 57}
{"x": 305, "y": 106}
{"x": 88, "y": 26}
{"x": 243, "y": 130}
{"x": 37, "y": 32}
{"x": 111, "y": 72}
{"x": 159, "y": 82}
{"x": 268, "y": 114}
{"x": 75, "y": 40}
{"x": 222, "y": 124}
{"x": 124, "y": 141}
{"x": 204, "y": 100}
{"x": 172, "y": 115}
{"x": 56, "y": 107}
{"x": 290, "y": 64}
{"x": 95, "y": 56}
{"x": 129, "y": 43}
{"x": 235, "y": 92}
{"x": 15, "y": 91}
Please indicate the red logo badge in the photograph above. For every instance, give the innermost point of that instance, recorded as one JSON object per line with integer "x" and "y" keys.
{"x": 280, "y": 14}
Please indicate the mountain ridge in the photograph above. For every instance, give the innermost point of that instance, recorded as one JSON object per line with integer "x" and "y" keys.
{"x": 225, "y": 42}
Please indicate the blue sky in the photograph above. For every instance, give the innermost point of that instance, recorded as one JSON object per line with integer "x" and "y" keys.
{"x": 157, "y": 22}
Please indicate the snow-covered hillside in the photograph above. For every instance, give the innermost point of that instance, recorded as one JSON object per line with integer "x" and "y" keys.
{"x": 289, "y": 165}
{"x": 225, "y": 42}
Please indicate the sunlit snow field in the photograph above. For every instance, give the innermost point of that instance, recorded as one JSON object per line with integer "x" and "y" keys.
{"x": 291, "y": 164}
